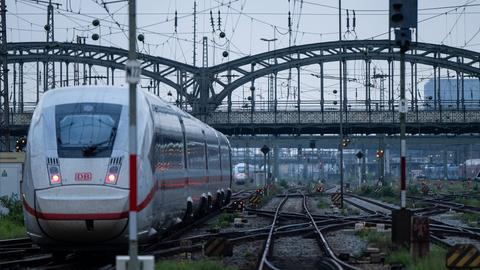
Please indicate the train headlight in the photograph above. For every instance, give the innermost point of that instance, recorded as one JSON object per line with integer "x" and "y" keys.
{"x": 112, "y": 175}
{"x": 54, "y": 174}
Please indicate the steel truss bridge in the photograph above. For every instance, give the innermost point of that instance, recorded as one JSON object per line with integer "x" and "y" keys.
{"x": 206, "y": 92}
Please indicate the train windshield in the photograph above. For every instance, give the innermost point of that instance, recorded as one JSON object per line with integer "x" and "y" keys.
{"x": 86, "y": 129}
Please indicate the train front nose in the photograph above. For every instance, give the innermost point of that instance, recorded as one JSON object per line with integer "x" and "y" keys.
{"x": 82, "y": 213}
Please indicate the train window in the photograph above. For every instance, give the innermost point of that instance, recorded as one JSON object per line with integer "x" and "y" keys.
{"x": 172, "y": 152}
{"x": 86, "y": 129}
{"x": 195, "y": 146}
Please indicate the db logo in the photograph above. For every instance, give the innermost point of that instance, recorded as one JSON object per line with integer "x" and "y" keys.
{"x": 83, "y": 176}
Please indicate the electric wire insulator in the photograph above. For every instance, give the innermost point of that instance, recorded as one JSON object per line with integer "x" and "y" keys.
{"x": 176, "y": 21}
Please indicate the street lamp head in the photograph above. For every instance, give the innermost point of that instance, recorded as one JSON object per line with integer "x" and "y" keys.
{"x": 268, "y": 39}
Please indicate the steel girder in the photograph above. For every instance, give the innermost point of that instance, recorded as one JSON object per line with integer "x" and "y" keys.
{"x": 249, "y": 68}
{"x": 110, "y": 57}
{"x": 204, "y": 98}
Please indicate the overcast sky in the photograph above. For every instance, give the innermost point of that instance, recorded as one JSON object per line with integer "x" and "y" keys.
{"x": 450, "y": 22}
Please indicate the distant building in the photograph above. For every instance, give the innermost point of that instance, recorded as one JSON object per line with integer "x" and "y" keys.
{"x": 448, "y": 93}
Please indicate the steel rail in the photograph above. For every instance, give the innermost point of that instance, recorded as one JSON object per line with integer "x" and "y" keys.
{"x": 268, "y": 244}
{"x": 323, "y": 242}
{"x": 453, "y": 205}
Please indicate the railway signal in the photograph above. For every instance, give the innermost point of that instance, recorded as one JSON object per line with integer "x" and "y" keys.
{"x": 380, "y": 153}
{"x": 20, "y": 144}
{"x": 345, "y": 142}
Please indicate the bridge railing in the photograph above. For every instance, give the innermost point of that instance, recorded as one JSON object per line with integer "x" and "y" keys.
{"x": 310, "y": 114}
{"x": 352, "y": 105}
{"x": 333, "y": 117}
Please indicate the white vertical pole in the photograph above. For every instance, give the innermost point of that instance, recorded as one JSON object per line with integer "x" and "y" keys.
{"x": 132, "y": 145}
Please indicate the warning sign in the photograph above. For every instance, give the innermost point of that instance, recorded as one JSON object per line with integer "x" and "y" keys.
{"x": 336, "y": 198}
{"x": 463, "y": 256}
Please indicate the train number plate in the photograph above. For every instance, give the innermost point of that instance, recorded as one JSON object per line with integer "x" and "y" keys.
{"x": 83, "y": 176}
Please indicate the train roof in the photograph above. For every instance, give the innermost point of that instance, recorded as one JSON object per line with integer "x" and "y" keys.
{"x": 108, "y": 94}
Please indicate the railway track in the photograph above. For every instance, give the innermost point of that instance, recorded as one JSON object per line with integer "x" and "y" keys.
{"x": 22, "y": 253}
{"x": 327, "y": 260}
{"x": 449, "y": 205}
{"x": 439, "y": 231}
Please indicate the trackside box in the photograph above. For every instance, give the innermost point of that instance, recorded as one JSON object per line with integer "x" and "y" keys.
{"x": 11, "y": 165}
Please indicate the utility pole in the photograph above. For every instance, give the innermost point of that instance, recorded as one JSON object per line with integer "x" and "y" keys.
{"x": 4, "y": 106}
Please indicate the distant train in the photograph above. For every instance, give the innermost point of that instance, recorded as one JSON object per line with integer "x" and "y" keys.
{"x": 471, "y": 169}
{"x": 76, "y": 179}
{"x": 438, "y": 172}
{"x": 243, "y": 173}
{"x": 468, "y": 170}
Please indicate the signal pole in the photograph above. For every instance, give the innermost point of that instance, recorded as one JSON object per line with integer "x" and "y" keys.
{"x": 403, "y": 16}
{"x": 132, "y": 77}
{"x": 341, "y": 102}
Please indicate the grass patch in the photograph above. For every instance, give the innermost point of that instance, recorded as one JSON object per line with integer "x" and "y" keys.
{"x": 11, "y": 223}
{"x": 376, "y": 239}
{"x": 10, "y": 229}
{"x": 434, "y": 260}
{"x": 386, "y": 194}
{"x": 469, "y": 219}
{"x": 225, "y": 220}
{"x": 191, "y": 265}
{"x": 468, "y": 201}
{"x": 283, "y": 183}
{"x": 322, "y": 204}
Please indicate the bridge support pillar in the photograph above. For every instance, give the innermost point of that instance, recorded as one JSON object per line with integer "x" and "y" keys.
{"x": 445, "y": 164}
{"x": 276, "y": 155}
{"x": 364, "y": 166}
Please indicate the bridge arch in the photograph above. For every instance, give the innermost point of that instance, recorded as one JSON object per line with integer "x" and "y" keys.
{"x": 250, "y": 68}
{"x": 154, "y": 67}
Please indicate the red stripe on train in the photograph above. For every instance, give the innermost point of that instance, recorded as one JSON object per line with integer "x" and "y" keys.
{"x": 166, "y": 184}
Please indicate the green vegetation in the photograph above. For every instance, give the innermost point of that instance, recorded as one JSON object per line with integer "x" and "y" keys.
{"x": 9, "y": 229}
{"x": 434, "y": 260}
{"x": 468, "y": 201}
{"x": 469, "y": 219}
{"x": 14, "y": 206}
{"x": 11, "y": 223}
{"x": 283, "y": 183}
{"x": 386, "y": 194}
{"x": 376, "y": 239}
{"x": 249, "y": 254}
{"x": 322, "y": 204}
{"x": 225, "y": 220}
{"x": 191, "y": 265}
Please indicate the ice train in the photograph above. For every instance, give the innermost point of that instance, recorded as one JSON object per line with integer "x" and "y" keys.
{"x": 76, "y": 185}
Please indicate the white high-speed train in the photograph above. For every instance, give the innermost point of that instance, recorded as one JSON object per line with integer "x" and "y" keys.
{"x": 76, "y": 186}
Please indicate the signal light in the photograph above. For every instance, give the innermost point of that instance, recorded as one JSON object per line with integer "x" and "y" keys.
{"x": 20, "y": 144}
{"x": 380, "y": 153}
{"x": 345, "y": 142}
